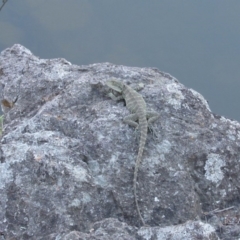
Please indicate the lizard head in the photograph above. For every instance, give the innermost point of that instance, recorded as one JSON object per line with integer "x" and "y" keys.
{"x": 115, "y": 85}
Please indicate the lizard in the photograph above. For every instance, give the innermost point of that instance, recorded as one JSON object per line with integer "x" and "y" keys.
{"x": 139, "y": 118}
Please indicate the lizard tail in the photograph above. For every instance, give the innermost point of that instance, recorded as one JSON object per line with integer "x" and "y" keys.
{"x": 142, "y": 143}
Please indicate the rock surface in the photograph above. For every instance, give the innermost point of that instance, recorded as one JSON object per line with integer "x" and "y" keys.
{"x": 67, "y": 158}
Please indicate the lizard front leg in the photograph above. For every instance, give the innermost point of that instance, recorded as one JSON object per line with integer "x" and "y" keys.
{"x": 114, "y": 97}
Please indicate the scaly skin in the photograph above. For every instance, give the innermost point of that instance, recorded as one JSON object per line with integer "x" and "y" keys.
{"x": 137, "y": 106}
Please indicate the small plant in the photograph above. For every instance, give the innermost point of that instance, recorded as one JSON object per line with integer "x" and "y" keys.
{"x": 1, "y": 124}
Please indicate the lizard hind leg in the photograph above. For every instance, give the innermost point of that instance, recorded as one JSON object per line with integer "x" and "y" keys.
{"x": 132, "y": 121}
{"x": 152, "y": 117}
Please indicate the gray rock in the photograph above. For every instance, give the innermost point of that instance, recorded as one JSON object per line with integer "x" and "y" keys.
{"x": 67, "y": 158}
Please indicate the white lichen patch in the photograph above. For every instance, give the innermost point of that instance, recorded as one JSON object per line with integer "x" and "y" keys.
{"x": 201, "y": 98}
{"x": 232, "y": 122}
{"x": 213, "y": 167}
{"x": 78, "y": 172}
{"x": 188, "y": 230}
{"x": 164, "y": 148}
{"x": 233, "y": 132}
{"x": 6, "y": 175}
{"x": 175, "y": 96}
{"x": 75, "y": 203}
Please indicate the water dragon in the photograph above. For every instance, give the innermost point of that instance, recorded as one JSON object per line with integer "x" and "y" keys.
{"x": 139, "y": 118}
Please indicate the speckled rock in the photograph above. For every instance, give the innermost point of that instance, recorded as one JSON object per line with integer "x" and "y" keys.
{"x": 67, "y": 158}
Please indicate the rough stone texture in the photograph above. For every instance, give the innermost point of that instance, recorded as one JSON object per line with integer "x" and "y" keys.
{"x": 67, "y": 159}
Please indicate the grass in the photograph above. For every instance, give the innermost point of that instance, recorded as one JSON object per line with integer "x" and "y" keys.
{"x": 1, "y": 124}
